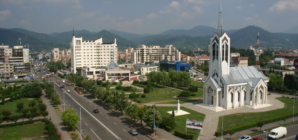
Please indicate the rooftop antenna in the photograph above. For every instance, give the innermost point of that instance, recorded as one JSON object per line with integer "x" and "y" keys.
{"x": 220, "y": 18}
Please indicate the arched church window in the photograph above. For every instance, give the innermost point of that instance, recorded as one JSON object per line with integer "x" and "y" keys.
{"x": 251, "y": 92}
{"x": 238, "y": 96}
{"x": 213, "y": 51}
{"x": 222, "y": 52}
{"x": 227, "y": 52}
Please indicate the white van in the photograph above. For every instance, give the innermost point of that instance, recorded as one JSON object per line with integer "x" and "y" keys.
{"x": 277, "y": 132}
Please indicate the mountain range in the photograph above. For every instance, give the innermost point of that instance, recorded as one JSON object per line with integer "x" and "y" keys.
{"x": 197, "y": 37}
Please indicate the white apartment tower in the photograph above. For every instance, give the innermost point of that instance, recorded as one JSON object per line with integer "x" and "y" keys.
{"x": 155, "y": 53}
{"x": 91, "y": 53}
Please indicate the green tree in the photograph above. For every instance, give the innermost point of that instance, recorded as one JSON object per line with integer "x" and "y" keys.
{"x": 70, "y": 118}
{"x": 6, "y": 113}
{"x": 32, "y": 89}
{"x": 31, "y": 103}
{"x": 87, "y": 138}
{"x": 120, "y": 102}
{"x": 14, "y": 118}
{"x": 149, "y": 116}
{"x": 42, "y": 107}
{"x": 25, "y": 111}
{"x": 260, "y": 124}
{"x": 132, "y": 111}
{"x": 20, "y": 106}
{"x": 44, "y": 113}
{"x": 275, "y": 81}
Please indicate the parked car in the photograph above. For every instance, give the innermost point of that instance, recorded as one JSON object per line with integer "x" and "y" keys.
{"x": 257, "y": 138}
{"x": 245, "y": 137}
{"x": 95, "y": 111}
{"x": 133, "y": 132}
{"x": 277, "y": 133}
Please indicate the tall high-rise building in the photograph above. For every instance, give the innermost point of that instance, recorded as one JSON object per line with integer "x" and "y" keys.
{"x": 91, "y": 53}
{"x": 155, "y": 53}
{"x": 13, "y": 60}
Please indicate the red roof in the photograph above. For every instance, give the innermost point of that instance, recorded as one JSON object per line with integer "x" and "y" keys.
{"x": 243, "y": 58}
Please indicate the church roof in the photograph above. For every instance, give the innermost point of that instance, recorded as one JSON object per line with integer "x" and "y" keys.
{"x": 248, "y": 74}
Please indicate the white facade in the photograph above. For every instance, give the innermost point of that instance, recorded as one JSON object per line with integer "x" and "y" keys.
{"x": 155, "y": 53}
{"x": 92, "y": 53}
{"x": 232, "y": 87}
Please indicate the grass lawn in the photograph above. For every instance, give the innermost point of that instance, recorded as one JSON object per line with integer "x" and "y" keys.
{"x": 181, "y": 120}
{"x": 166, "y": 94}
{"x": 11, "y": 84}
{"x": 12, "y": 106}
{"x": 22, "y": 131}
{"x": 241, "y": 119}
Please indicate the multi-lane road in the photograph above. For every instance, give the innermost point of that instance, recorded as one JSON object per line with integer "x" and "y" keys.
{"x": 104, "y": 125}
{"x": 292, "y": 132}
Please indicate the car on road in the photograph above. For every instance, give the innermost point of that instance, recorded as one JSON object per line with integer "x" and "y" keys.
{"x": 95, "y": 111}
{"x": 58, "y": 82}
{"x": 133, "y": 132}
{"x": 257, "y": 138}
{"x": 68, "y": 91}
{"x": 245, "y": 137}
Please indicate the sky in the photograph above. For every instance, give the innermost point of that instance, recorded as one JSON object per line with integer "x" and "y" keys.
{"x": 145, "y": 16}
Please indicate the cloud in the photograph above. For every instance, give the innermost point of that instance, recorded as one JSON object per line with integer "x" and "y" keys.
{"x": 24, "y": 22}
{"x": 151, "y": 15}
{"x": 186, "y": 15}
{"x": 197, "y": 1}
{"x": 239, "y": 7}
{"x": 168, "y": 9}
{"x": 87, "y": 14}
{"x": 14, "y": 2}
{"x": 284, "y": 5}
{"x": 4, "y": 14}
{"x": 252, "y": 5}
{"x": 198, "y": 9}
{"x": 174, "y": 4}
{"x": 68, "y": 21}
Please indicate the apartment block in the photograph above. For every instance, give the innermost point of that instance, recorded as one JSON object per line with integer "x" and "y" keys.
{"x": 94, "y": 53}
{"x": 60, "y": 55}
{"x": 13, "y": 60}
{"x": 155, "y": 53}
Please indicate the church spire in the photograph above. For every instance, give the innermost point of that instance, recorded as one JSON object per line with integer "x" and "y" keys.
{"x": 220, "y": 18}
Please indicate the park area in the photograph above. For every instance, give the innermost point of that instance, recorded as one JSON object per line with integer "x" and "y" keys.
{"x": 23, "y": 131}
{"x": 241, "y": 121}
{"x": 181, "y": 120}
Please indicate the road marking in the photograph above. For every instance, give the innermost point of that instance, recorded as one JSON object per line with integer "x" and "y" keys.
{"x": 289, "y": 137}
{"x": 115, "y": 123}
{"x": 135, "y": 138}
{"x": 94, "y": 117}
{"x": 86, "y": 124}
{"x": 95, "y": 134}
{"x": 124, "y": 130}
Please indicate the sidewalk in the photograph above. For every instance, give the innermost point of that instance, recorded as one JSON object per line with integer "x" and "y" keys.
{"x": 55, "y": 117}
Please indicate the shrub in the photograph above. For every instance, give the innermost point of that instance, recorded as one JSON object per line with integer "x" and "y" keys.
{"x": 135, "y": 82}
{"x": 119, "y": 87}
{"x": 193, "y": 88}
{"x": 183, "y": 135}
{"x": 146, "y": 90}
{"x": 184, "y": 94}
{"x": 143, "y": 96}
{"x": 133, "y": 96}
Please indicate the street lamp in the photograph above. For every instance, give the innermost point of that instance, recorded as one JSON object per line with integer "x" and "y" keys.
{"x": 265, "y": 133}
{"x": 294, "y": 105}
{"x": 222, "y": 119}
{"x": 154, "y": 119}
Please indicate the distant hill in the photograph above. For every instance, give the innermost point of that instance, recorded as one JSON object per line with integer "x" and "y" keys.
{"x": 247, "y": 36}
{"x": 122, "y": 43}
{"x": 10, "y": 37}
{"x": 196, "y": 31}
{"x": 40, "y": 36}
{"x": 129, "y": 36}
{"x": 293, "y": 30}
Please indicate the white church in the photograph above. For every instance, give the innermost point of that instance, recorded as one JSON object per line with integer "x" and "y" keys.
{"x": 232, "y": 87}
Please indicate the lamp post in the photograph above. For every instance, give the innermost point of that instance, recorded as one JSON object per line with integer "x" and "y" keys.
{"x": 222, "y": 119}
{"x": 265, "y": 133}
{"x": 154, "y": 119}
{"x": 294, "y": 105}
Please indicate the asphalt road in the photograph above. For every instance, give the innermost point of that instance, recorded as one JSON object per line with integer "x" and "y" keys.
{"x": 292, "y": 132}
{"x": 103, "y": 125}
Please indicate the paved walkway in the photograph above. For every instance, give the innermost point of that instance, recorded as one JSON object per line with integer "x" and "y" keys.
{"x": 55, "y": 117}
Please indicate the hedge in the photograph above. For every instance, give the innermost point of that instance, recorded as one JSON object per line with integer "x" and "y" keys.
{"x": 183, "y": 135}
{"x": 251, "y": 125}
{"x": 21, "y": 123}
